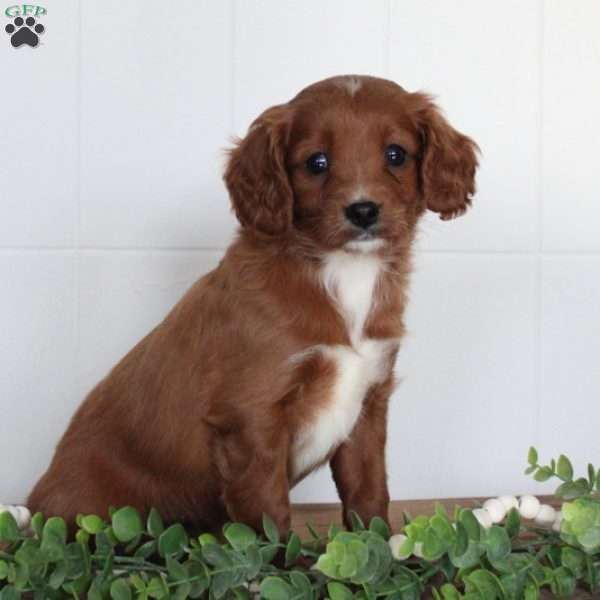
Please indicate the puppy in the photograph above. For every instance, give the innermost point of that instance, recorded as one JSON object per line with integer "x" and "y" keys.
{"x": 281, "y": 359}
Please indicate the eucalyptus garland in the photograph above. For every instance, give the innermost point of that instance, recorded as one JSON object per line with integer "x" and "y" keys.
{"x": 460, "y": 556}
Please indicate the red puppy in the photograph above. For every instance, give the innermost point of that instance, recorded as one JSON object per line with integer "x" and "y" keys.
{"x": 281, "y": 359}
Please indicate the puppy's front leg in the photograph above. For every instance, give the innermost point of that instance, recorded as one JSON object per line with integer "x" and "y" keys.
{"x": 255, "y": 477}
{"x": 358, "y": 465}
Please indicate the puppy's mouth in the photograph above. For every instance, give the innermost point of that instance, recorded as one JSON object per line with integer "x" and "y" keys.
{"x": 366, "y": 240}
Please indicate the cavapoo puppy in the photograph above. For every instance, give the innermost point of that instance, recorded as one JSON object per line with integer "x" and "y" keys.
{"x": 281, "y": 359}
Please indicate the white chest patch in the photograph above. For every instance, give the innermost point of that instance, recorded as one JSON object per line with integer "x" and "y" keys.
{"x": 350, "y": 280}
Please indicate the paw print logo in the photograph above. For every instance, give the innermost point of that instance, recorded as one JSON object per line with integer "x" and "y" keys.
{"x": 24, "y": 32}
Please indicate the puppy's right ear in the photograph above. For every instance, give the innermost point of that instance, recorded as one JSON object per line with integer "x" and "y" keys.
{"x": 256, "y": 177}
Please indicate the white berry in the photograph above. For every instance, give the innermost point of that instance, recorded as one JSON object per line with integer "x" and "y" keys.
{"x": 496, "y": 509}
{"x": 395, "y": 542}
{"x": 546, "y": 515}
{"x": 484, "y": 517}
{"x": 529, "y": 507}
{"x": 557, "y": 521}
{"x": 509, "y": 502}
{"x": 23, "y": 517}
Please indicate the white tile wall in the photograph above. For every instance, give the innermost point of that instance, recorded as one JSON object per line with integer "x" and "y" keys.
{"x": 112, "y": 204}
{"x": 570, "y": 356}
{"x": 571, "y": 127}
{"x": 155, "y": 108}
{"x": 39, "y": 113}
{"x": 481, "y": 60}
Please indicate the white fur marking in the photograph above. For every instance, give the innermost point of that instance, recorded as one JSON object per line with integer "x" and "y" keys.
{"x": 366, "y": 245}
{"x": 352, "y": 85}
{"x": 350, "y": 279}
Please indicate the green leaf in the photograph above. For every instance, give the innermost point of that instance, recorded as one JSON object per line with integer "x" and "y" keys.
{"x": 338, "y": 591}
{"x": 328, "y": 566}
{"x": 119, "y": 590}
{"x": 543, "y": 474}
{"x": 127, "y": 524}
{"x": 356, "y": 522}
{"x": 590, "y": 540}
{"x": 146, "y": 550}
{"x": 54, "y": 536}
{"x": 573, "y": 489}
{"x": 433, "y": 547}
{"x": 92, "y": 524}
{"x": 449, "y": 592}
{"x": 598, "y": 481}
{"x": 221, "y": 583}
{"x": 270, "y": 529}
{"x": 82, "y": 536}
{"x": 301, "y": 583}
{"x": 469, "y": 558}
{"x": 443, "y": 529}
{"x": 275, "y": 588}
{"x": 532, "y": 592}
{"x": 77, "y": 560}
{"x": 254, "y": 559}
{"x": 95, "y": 591}
{"x": 512, "y": 523}
{"x": 37, "y": 524}
{"x": 574, "y": 560}
{"x": 498, "y": 543}
{"x": 591, "y": 475}
{"x": 172, "y": 540}
{"x": 359, "y": 550}
{"x": 240, "y": 536}
{"x": 333, "y": 530}
{"x": 207, "y": 538}
{"x": 483, "y": 582}
{"x": 154, "y": 523}
{"x": 532, "y": 456}
{"x": 462, "y": 540}
{"x": 268, "y": 553}
{"x": 199, "y": 573}
{"x": 58, "y": 575}
{"x": 157, "y": 588}
{"x": 471, "y": 524}
{"x": 380, "y": 527}
{"x": 349, "y": 566}
{"x": 530, "y": 469}
{"x": 9, "y": 593}
{"x": 175, "y": 569}
{"x": 9, "y": 530}
{"x": 293, "y": 549}
{"x": 563, "y": 583}
{"x": 564, "y": 469}
{"x": 216, "y": 556}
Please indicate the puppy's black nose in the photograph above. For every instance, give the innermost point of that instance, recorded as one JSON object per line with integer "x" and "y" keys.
{"x": 362, "y": 214}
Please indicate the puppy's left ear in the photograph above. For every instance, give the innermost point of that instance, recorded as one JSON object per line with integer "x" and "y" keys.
{"x": 448, "y": 162}
{"x": 256, "y": 176}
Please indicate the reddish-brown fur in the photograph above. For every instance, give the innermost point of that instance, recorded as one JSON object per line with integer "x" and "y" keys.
{"x": 198, "y": 419}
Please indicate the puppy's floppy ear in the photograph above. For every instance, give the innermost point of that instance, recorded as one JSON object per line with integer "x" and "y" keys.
{"x": 448, "y": 161}
{"x": 256, "y": 177}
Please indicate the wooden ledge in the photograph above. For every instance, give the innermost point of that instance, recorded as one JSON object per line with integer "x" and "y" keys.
{"x": 321, "y": 515}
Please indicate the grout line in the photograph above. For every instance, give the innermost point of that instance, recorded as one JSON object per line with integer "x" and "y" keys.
{"x": 538, "y": 366}
{"x": 418, "y": 252}
{"x": 78, "y": 178}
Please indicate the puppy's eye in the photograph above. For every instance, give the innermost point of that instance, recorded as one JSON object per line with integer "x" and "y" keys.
{"x": 395, "y": 156}
{"x": 317, "y": 163}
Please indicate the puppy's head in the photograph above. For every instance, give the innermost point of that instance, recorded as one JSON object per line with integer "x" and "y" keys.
{"x": 351, "y": 162}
